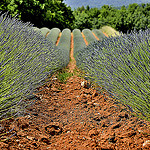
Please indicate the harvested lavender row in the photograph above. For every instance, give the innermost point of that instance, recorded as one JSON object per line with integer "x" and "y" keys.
{"x": 121, "y": 65}
{"x": 64, "y": 44}
{"x": 53, "y": 35}
{"x": 44, "y": 31}
{"x": 99, "y": 34}
{"x": 27, "y": 59}
{"x": 89, "y": 35}
{"x": 79, "y": 42}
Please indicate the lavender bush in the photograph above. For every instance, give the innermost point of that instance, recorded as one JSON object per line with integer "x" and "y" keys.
{"x": 99, "y": 34}
{"x": 89, "y": 35}
{"x": 53, "y": 35}
{"x": 44, "y": 31}
{"x": 79, "y": 42}
{"x": 27, "y": 59}
{"x": 121, "y": 65}
{"x": 64, "y": 44}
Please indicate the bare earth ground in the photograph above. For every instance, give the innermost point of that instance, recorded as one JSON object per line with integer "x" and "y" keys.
{"x": 73, "y": 116}
{"x": 105, "y": 34}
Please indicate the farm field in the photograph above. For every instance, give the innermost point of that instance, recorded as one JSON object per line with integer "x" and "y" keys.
{"x": 89, "y": 36}
{"x": 71, "y": 113}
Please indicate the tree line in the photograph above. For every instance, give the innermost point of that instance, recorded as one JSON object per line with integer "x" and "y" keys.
{"x": 55, "y": 13}
{"x": 41, "y": 13}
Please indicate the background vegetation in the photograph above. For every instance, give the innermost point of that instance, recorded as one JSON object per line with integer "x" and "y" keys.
{"x": 97, "y": 3}
{"x": 55, "y": 13}
{"x": 124, "y": 19}
{"x": 42, "y": 13}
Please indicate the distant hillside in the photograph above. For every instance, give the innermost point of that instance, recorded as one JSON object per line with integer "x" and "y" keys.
{"x": 99, "y": 3}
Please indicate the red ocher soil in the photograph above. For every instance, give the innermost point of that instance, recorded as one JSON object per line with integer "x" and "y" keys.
{"x": 58, "y": 39}
{"x": 72, "y": 64}
{"x": 95, "y": 36}
{"x": 84, "y": 39}
{"x": 74, "y": 116}
{"x": 47, "y": 34}
{"x": 105, "y": 34}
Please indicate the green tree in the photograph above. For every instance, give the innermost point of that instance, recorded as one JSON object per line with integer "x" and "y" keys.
{"x": 82, "y": 21}
{"x": 120, "y": 20}
{"x": 146, "y": 11}
{"x": 137, "y": 17}
{"x": 93, "y": 16}
{"x": 47, "y": 13}
{"x": 107, "y": 15}
{"x": 86, "y": 18}
{"x": 126, "y": 19}
{"x": 3, "y": 5}
{"x": 80, "y": 9}
{"x": 8, "y": 5}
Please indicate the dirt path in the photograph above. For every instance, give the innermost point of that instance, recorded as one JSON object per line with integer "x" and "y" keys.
{"x": 84, "y": 39}
{"x": 72, "y": 63}
{"x": 73, "y": 116}
{"x": 105, "y": 34}
{"x": 58, "y": 39}
{"x": 95, "y": 36}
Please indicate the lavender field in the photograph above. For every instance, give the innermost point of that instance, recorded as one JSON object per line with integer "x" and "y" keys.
{"x": 121, "y": 66}
{"x": 27, "y": 59}
{"x": 29, "y": 55}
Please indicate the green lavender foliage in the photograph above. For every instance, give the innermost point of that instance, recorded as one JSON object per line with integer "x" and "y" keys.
{"x": 99, "y": 34}
{"x": 27, "y": 59}
{"x": 79, "y": 42}
{"x": 89, "y": 35}
{"x": 64, "y": 44}
{"x": 121, "y": 65}
{"x": 53, "y": 35}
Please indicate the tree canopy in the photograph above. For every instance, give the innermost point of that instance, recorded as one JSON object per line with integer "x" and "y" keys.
{"x": 55, "y": 13}
{"x": 42, "y": 13}
{"x": 125, "y": 19}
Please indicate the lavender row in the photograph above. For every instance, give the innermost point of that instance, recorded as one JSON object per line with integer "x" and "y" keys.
{"x": 27, "y": 59}
{"x": 64, "y": 44}
{"x": 89, "y": 35}
{"x": 99, "y": 34}
{"x": 44, "y": 31}
{"x": 53, "y": 35}
{"x": 79, "y": 42}
{"x": 121, "y": 65}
